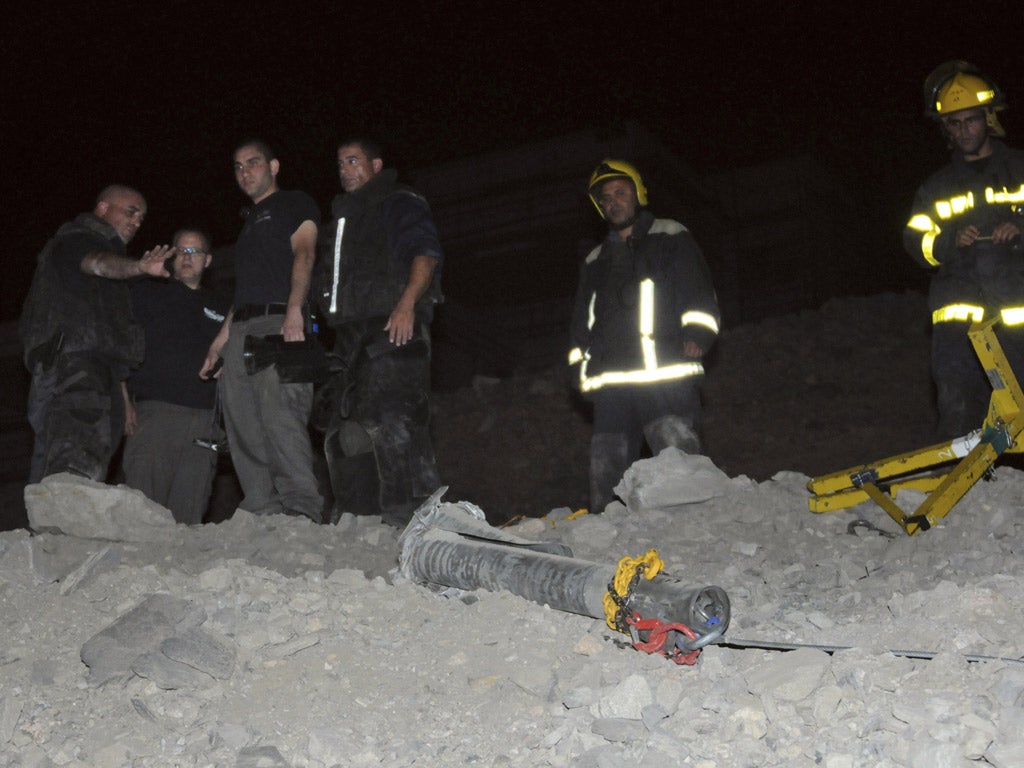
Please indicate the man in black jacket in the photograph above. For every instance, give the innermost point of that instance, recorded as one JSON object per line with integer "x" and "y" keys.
{"x": 80, "y": 338}
{"x": 380, "y": 282}
{"x": 645, "y": 315}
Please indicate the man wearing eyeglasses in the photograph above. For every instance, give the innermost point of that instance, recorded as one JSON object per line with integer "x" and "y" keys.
{"x": 168, "y": 407}
{"x": 966, "y": 226}
{"x": 79, "y": 336}
{"x": 266, "y": 418}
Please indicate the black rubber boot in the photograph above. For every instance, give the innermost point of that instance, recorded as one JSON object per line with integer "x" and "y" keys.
{"x": 609, "y": 459}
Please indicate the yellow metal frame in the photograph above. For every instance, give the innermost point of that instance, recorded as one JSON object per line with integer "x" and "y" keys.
{"x": 974, "y": 453}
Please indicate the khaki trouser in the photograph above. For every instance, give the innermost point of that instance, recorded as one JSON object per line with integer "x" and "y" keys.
{"x": 267, "y": 426}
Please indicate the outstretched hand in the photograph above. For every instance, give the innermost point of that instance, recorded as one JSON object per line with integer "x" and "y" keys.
{"x": 152, "y": 261}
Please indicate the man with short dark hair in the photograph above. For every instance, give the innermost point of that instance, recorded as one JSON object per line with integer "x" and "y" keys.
{"x": 380, "y": 284}
{"x": 267, "y": 419}
{"x": 80, "y": 338}
{"x": 168, "y": 406}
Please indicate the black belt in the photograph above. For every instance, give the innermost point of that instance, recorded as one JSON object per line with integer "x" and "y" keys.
{"x": 249, "y": 311}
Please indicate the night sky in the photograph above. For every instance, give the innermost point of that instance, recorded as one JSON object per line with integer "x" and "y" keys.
{"x": 156, "y": 94}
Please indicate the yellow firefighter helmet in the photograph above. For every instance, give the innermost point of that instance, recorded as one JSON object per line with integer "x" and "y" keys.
{"x": 957, "y": 85}
{"x": 615, "y": 169}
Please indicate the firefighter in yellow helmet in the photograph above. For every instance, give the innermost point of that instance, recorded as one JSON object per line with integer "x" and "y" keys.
{"x": 645, "y": 315}
{"x": 966, "y": 226}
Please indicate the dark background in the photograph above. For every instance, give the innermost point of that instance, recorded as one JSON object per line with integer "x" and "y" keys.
{"x": 156, "y": 94}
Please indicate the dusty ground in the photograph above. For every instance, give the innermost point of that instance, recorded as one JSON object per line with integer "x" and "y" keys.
{"x": 813, "y": 393}
{"x": 265, "y": 642}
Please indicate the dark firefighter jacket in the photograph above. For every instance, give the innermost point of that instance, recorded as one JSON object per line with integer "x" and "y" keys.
{"x": 987, "y": 192}
{"x": 367, "y": 250}
{"x": 633, "y": 314}
{"x": 70, "y": 311}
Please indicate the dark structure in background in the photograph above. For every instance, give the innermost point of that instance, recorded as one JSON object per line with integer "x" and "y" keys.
{"x": 515, "y": 224}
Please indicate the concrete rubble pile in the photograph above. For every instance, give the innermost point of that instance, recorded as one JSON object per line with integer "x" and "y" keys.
{"x": 265, "y": 642}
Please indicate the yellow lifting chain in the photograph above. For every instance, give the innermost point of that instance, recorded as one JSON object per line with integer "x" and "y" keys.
{"x": 621, "y": 588}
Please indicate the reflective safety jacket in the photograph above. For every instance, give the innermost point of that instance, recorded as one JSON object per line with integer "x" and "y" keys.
{"x": 366, "y": 250}
{"x": 638, "y": 303}
{"x": 971, "y": 283}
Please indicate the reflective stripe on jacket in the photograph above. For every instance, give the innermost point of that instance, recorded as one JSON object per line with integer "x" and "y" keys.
{"x": 632, "y": 319}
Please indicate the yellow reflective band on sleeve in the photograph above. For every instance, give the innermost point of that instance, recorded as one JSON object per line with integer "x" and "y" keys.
{"x": 700, "y": 318}
{"x": 930, "y": 230}
{"x": 669, "y": 372}
{"x": 947, "y": 209}
{"x": 575, "y": 355}
{"x": 1005, "y": 196}
{"x": 590, "y": 311}
{"x": 921, "y": 223}
{"x": 928, "y": 248}
{"x": 1012, "y": 315}
{"x": 959, "y": 313}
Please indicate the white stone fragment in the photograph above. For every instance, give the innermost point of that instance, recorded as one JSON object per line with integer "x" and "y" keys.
{"x": 790, "y": 676}
{"x": 627, "y": 699}
{"x": 82, "y": 507}
{"x": 671, "y": 479}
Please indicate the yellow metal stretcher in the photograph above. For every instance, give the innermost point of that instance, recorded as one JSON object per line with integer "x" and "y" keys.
{"x": 931, "y": 470}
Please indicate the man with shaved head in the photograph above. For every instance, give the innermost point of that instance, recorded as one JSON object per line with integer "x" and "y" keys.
{"x": 79, "y": 336}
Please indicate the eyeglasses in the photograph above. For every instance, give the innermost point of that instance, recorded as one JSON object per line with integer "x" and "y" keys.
{"x": 190, "y": 251}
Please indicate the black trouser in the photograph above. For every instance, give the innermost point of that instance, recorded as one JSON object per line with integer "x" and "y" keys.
{"x": 76, "y": 410}
{"x": 625, "y": 416}
{"x": 963, "y": 390}
{"x": 378, "y": 445}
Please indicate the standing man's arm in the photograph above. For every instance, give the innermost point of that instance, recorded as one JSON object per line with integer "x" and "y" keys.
{"x": 304, "y": 249}
{"x": 117, "y": 267}
{"x": 412, "y": 239}
{"x": 403, "y": 317}
{"x": 213, "y": 354}
{"x": 699, "y": 312}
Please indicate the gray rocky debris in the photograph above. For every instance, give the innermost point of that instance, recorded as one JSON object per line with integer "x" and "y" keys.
{"x": 81, "y": 507}
{"x": 111, "y": 652}
{"x": 201, "y": 650}
{"x": 168, "y": 673}
{"x": 379, "y": 671}
{"x": 669, "y": 480}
